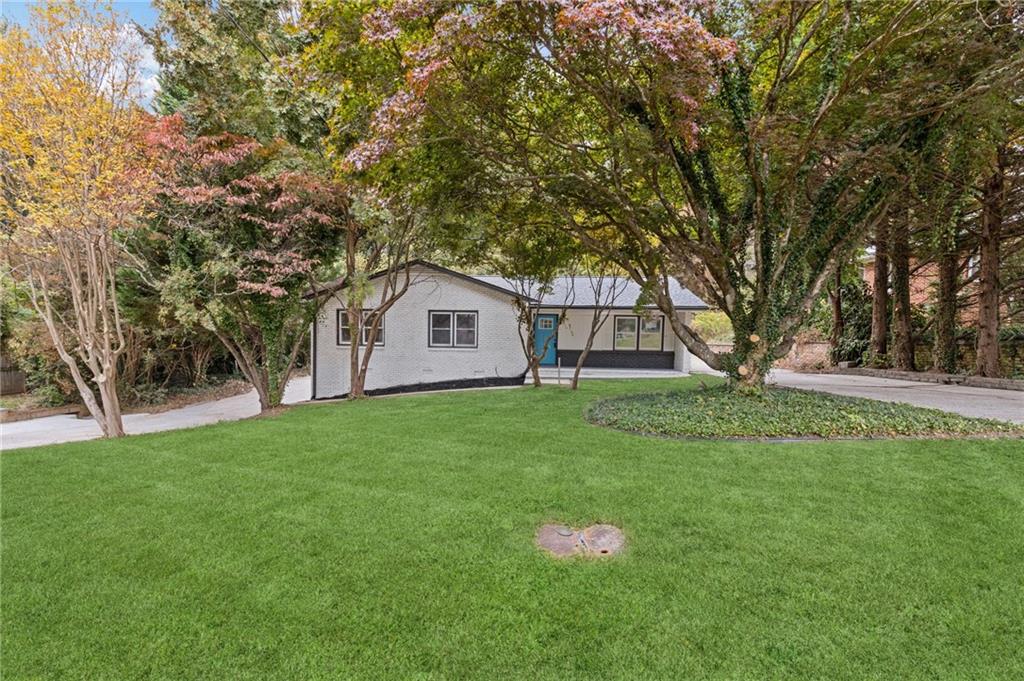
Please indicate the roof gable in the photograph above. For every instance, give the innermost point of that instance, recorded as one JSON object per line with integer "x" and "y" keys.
{"x": 499, "y": 287}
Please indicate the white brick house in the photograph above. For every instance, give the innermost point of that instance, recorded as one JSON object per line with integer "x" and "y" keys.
{"x": 456, "y": 330}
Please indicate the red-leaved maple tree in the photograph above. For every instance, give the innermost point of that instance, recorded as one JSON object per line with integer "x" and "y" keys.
{"x": 248, "y": 238}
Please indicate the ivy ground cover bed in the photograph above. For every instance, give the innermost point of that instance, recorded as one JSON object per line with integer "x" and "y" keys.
{"x": 781, "y": 413}
{"x": 394, "y": 538}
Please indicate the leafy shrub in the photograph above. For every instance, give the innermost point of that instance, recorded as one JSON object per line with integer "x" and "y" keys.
{"x": 147, "y": 393}
{"x": 46, "y": 374}
{"x": 856, "y": 336}
{"x": 48, "y": 395}
{"x": 713, "y": 326}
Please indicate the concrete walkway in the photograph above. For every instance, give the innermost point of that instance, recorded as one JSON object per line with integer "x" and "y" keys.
{"x": 56, "y": 429}
{"x": 1005, "y": 405}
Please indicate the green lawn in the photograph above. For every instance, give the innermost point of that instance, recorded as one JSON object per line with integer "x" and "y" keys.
{"x": 394, "y": 538}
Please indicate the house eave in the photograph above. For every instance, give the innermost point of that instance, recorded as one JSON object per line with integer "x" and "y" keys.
{"x": 341, "y": 283}
{"x": 680, "y": 308}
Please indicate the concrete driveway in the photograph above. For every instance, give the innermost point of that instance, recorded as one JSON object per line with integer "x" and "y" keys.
{"x": 1005, "y": 405}
{"x": 56, "y": 429}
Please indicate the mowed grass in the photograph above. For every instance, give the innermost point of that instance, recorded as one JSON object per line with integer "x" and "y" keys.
{"x": 393, "y": 538}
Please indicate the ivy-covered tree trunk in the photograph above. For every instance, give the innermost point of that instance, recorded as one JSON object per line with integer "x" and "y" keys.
{"x": 754, "y": 363}
{"x": 993, "y": 195}
{"x": 263, "y": 391}
{"x": 265, "y": 342}
{"x": 945, "y": 351}
{"x": 902, "y": 332}
{"x": 836, "y": 300}
{"x": 879, "y": 346}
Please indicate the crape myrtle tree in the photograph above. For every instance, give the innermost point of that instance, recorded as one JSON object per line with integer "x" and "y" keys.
{"x": 399, "y": 202}
{"x": 531, "y": 256}
{"x": 248, "y": 232}
{"x": 74, "y": 181}
{"x": 745, "y": 148}
{"x": 512, "y": 235}
{"x": 380, "y": 241}
{"x": 604, "y": 288}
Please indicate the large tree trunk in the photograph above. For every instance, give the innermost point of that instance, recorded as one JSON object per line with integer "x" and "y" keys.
{"x": 84, "y": 391}
{"x": 880, "y": 296}
{"x": 836, "y": 299}
{"x": 993, "y": 195}
{"x": 267, "y": 402}
{"x": 753, "y": 356}
{"x": 902, "y": 332}
{"x": 246, "y": 353}
{"x": 86, "y": 270}
{"x": 111, "y": 403}
{"x": 945, "y": 351}
{"x": 752, "y": 373}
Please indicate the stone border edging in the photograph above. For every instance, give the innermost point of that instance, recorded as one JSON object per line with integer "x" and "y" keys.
{"x": 929, "y": 377}
{"x": 14, "y": 415}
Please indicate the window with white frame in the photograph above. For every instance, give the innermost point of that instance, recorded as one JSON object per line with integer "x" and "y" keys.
{"x": 633, "y": 332}
{"x": 452, "y": 329}
{"x": 345, "y": 333}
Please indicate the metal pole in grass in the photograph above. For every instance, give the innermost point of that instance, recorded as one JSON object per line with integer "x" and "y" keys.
{"x": 559, "y": 371}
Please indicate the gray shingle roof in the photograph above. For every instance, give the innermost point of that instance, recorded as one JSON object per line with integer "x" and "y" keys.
{"x": 579, "y": 292}
{"x": 569, "y": 291}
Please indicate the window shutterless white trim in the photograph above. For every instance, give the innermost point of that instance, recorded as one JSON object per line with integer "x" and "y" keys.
{"x": 623, "y": 333}
{"x": 656, "y": 332}
{"x": 453, "y": 328}
{"x": 634, "y": 338}
{"x": 465, "y": 329}
{"x": 364, "y": 329}
{"x": 439, "y": 332}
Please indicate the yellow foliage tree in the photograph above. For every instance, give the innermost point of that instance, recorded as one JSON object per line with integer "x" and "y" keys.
{"x": 74, "y": 179}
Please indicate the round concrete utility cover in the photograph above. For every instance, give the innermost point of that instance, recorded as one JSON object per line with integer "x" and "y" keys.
{"x": 596, "y": 540}
{"x": 604, "y": 540}
{"x": 560, "y": 540}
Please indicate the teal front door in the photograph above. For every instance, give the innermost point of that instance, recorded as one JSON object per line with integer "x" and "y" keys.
{"x": 545, "y": 338}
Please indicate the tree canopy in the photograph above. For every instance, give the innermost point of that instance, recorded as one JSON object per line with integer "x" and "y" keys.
{"x": 743, "y": 147}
